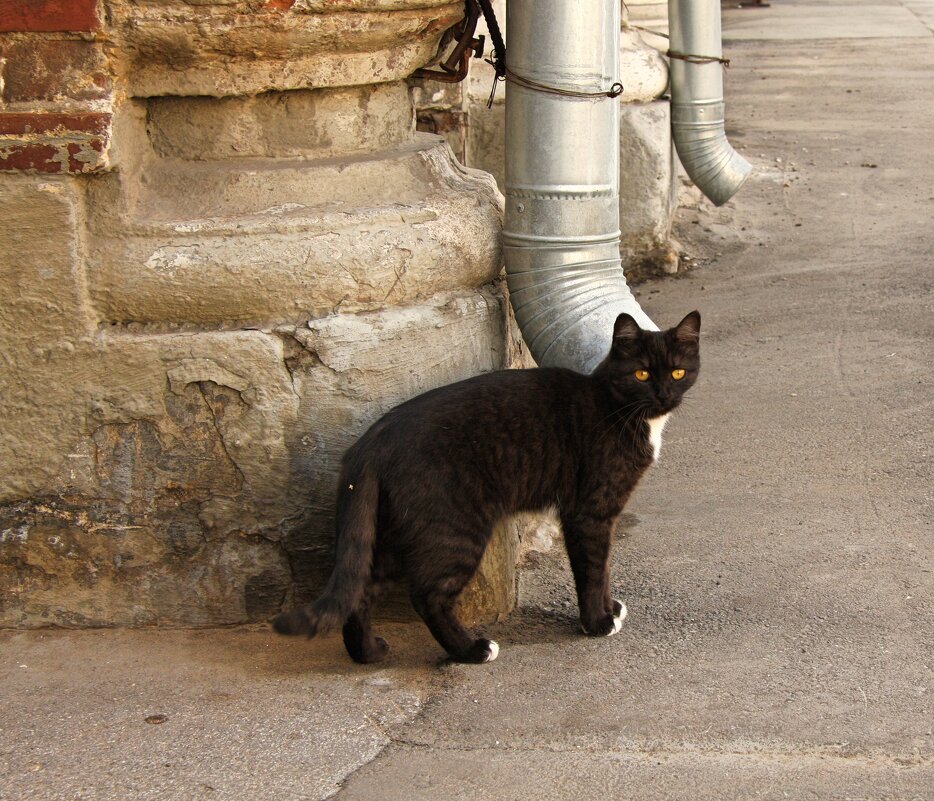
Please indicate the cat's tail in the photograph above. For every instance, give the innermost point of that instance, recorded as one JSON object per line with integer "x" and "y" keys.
{"x": 356, "y": 534}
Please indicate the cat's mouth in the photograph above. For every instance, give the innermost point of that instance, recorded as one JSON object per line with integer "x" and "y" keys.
{"x": 665, "y": 407}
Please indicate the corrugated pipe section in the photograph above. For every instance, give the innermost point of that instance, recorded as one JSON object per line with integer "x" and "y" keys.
{"x": 697, "y": 107}
{"x": 561, "y": 233}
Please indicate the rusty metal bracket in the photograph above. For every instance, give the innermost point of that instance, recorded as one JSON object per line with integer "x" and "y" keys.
{"x": 454, "y": 68}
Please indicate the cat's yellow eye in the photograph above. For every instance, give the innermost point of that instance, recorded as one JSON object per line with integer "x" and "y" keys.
{"x": 642, "y": 375}
{"x": 678, "y": 374}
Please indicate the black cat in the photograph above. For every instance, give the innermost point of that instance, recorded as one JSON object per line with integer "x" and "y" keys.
{"x": 420, "y": 491}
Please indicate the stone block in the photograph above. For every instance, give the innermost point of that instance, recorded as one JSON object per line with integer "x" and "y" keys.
{"x": 351, "y": 369}
{"x": 153, "y": 483}
{"x": 647, "y": 199}
{"x": 43, "y": 319}
{"x": 189, "y": 478}
{"x": 643, "y": 69}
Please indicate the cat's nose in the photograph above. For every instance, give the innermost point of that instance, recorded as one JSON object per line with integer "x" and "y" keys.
{"x": 665, "y": 399}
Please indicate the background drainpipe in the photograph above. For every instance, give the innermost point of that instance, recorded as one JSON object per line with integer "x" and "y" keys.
{"x": 561, "y": 234}
{"x": 697, "y": 107}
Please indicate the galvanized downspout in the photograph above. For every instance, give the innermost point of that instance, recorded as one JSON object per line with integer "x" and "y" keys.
{"x": 697, "y": 107}
{"x": 561, "y": 235}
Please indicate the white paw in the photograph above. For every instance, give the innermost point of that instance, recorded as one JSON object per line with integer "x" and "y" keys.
{"x": 494, "y": 651}
{"x": 617, "y": 622}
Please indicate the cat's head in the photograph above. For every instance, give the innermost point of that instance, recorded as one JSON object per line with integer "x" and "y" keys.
{"x": 652, "y": 369}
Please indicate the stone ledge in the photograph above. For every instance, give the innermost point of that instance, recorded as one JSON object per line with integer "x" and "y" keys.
{"x": 236, "y": 49}
{"x": 201, "y": 244}
{"x": 307, "y": 124}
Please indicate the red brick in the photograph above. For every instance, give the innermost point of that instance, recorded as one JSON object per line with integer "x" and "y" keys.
{"x": 29, "y": 157}
{"x": 42, "y": 68}
{"x": 40, "y": 122}
{"x": 49, "y": 15}
{"x": 54, "y": 142}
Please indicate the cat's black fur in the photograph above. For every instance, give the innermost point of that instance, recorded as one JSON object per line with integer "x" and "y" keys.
{"x": 420, "y": 491}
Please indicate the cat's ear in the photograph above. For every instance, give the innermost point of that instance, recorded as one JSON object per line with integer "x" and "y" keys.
{"x": 688, "y": 330}
{"x": 625, "y": 330}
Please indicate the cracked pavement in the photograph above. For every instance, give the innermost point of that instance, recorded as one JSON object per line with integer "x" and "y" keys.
{"x": 778, "y": 563}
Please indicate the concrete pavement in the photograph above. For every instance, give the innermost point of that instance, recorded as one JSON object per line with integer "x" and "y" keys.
{"x": 778, "y": 563}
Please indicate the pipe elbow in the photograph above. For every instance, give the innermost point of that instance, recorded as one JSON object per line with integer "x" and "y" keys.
{"x": 566, "y": 299}
{"x": 698, "y": 131}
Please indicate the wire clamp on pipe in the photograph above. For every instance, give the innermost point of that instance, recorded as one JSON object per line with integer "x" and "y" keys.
{"x": 614, "y": 91}
{"x": 691, "y": 58}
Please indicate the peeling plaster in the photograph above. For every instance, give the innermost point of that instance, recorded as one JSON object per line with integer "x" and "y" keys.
{"x": 170, "y": 259}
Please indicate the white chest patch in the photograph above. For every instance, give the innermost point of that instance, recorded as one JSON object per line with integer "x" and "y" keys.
{"x": 656, "y": 426}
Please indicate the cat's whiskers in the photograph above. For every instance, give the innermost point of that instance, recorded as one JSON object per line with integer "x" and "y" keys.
{"x": 618, "y": 414}
{"x": 635, "y": 441}
{"x": 621, "y": 424}
{"x": 618, "y": 411}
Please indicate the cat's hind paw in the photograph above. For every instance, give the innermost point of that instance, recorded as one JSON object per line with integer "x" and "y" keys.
{"x": 619, "y": 611}
{"x": 367, "y": 653}
{"x": 494, "y": 651}
{"x": 293, "y": 622}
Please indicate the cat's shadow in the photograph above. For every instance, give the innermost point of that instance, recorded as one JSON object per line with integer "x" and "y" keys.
{"x": 260, "y": 652}
{"x": 535, "y": 626}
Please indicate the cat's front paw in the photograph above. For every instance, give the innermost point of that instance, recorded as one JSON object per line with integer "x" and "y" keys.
{"x": 606, "y": 626}
{"x": 481, "y": 651}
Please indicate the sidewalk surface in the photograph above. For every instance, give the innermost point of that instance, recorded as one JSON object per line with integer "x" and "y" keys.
{"x": 777, "y": 563}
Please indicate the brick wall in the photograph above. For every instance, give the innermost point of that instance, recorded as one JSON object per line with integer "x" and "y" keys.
{"x": 56, "y": 87}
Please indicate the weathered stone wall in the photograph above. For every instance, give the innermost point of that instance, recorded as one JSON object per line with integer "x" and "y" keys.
{"x": 226, "y": 251}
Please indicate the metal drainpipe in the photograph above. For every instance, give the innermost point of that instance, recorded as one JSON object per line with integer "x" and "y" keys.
{"x": 561, "y": 234}
{"x": 697, "y": 107}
